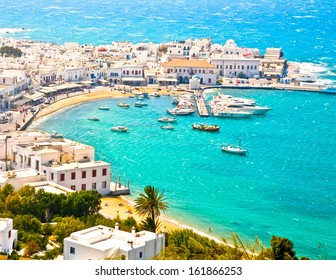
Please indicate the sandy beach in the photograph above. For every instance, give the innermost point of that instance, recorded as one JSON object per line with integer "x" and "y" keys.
{"x": 95, "y": 94}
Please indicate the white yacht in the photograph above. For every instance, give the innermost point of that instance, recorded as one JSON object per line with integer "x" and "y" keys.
{"x": 253, "y": 109}
{"x": 181, "y": 111}
{"x": 225, "y": 112}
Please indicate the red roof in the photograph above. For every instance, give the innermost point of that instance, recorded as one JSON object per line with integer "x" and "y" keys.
{"x": 102, "y": 49}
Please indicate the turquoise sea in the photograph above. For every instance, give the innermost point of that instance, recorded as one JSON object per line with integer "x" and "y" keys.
{"x": 285, "y": 186}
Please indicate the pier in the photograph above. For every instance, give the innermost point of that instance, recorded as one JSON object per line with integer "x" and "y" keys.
{"x": 200, "y": 104}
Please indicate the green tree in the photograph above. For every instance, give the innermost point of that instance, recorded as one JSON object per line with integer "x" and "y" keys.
{"x": 67, "y": 226}
{"x": 27, "y": 223}
{"x": 150, "y": 204}
{"x": 82, "y": 203}
{"x": 282, "y": 248}
{"x": 10, "y": 51}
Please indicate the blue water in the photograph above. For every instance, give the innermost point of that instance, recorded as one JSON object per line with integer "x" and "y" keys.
{"x": 285, "y": 186}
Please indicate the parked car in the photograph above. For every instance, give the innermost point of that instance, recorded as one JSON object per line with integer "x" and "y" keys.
{"x": 33, "y": 109}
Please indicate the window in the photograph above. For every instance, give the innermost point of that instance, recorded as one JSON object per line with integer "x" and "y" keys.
{"x": 52, "y": 176}
{"x": 255, "y": 67}
{"x": 230, "y": 66}
{"x": 83, "y": 187}
{"x": 73, "y": 175}
{"x": 73, "y": 187}
{"x": 94, "y": 173}
{"x": 209, "y": 81}
{"x": 226, "y": 66}
{"x": 247, "y": 67}
{"x": 83, "y": 174}
{"x": 140, "y": 255}
{"x": 62, "y": 177}
{"x": 104, "y": 172}
{"x": 104, "y": 184}
{"x": 9, "y": 234}
{"x": 94, "y": 186}
{"x": 72, "y": 250}
{"x": 242, "y": 67}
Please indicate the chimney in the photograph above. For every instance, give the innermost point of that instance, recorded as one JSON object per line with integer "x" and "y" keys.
{"x": 133, "y": 231}
{"x": 116, "y": 226}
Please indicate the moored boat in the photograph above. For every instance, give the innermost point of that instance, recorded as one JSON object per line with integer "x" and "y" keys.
{"x": 181, "y": 111}
{"x": 55, "y": 134}
{"x": 123, "y": 104}
{"x": 93, "y": 118}
{"x": 168, "y": 127}
{"x": 104, "y": 108}
{"x": 205, "y": 127}
{"x": 140, "y": 104}
{"x": 167, "y": 120}
{"x": 234, "y": 150}
{"x": 120, "y": 128}
{"x": 231, "y": 113}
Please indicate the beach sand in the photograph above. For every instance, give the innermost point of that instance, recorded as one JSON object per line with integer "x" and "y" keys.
{"x": 96, "y": 94}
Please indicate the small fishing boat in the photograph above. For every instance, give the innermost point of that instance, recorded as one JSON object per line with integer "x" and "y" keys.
{"x": 55, "y": 134}
{"x": 120, "y": 128}
{"x": 104, "y": 108}
{"x": 167, "y": 120}
{"x": 235, "y": 149}
{"x": 155, "y": 94}
{"x": 123, "y": 104}
{"x": 205, "y": 127}
{"x": 140, "y": 104}
{"x": 93, "y": 118}
{"x": 168, "y": 127}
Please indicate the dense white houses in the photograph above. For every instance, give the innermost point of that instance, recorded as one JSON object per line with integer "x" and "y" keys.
{"x": 64, "y": 162}
{"x": 8, "y": 235}
{"x": 183, "y": 70}
{"x": 233, "y": 61}
{"x": 101, "y": 243}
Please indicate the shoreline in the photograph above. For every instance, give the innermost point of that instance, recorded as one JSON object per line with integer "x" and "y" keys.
{"x": 111, "y": 207}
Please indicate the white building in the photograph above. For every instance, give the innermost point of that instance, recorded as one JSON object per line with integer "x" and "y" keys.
{"x": 233, "y": 61}
{"x": 230, "y": 67}
{"x": 64, "y": 162}
{"x": 133, "y": 74}
{"x": 8, "y": 235}
{"x": 100, "y": 243}
{"x": 73, "y": 74}
{"x": 184, "y": 69}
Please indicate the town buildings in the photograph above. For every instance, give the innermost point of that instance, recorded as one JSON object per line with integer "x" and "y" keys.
{"x": 125, "y": 63}
{"x": 37, "y": 156}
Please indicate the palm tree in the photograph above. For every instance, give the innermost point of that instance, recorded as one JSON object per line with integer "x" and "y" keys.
{"x": 149, "y": 204}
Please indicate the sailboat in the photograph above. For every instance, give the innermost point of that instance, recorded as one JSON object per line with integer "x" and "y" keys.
{"x": 235, "y": 149}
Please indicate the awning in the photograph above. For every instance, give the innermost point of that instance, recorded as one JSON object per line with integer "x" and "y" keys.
{"x": 21, "y": 102}
{"x": 133, "y": 79}
{"x": 103, "y": 81}
{"x": 36, "y": 96}
{"x": 167, "y": 79}
{"x": 87, "y": 82}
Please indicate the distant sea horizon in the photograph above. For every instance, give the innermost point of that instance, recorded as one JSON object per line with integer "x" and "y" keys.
{"x": 285, "y": 186}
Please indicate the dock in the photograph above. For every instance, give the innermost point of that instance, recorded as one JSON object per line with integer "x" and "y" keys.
{"x": 200, "y": 104}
